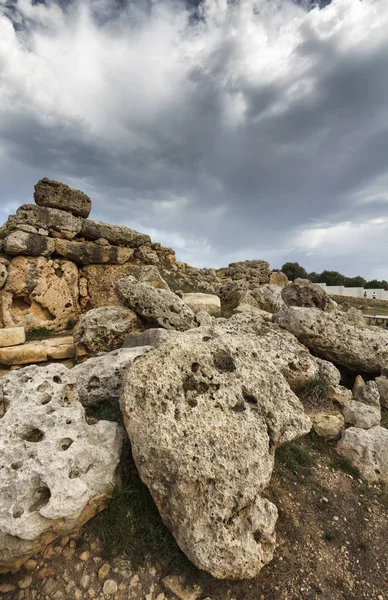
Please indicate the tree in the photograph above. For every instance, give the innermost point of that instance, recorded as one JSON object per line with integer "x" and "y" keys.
{"x": 332, "y": 278}
{"x": 293, "y": 270}
{"x": 314, "y": 277}
{"x": 357, "y": 281}
{"x": 376, "y": 284}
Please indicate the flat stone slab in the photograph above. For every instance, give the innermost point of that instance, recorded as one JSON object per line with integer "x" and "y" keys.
{"x": 12, "y": 336}
{"x": 55, "y": 194}
{"x": 38, "y": 351}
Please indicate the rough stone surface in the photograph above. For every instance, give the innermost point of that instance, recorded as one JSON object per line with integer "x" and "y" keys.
{"x": 151, "y": 337}
{"x": 368, "y": 451}
{"x": 328, "y": 425}
{"x": 304, "y": 293}
{"x": 382, "y": 386}
{"x": 232, "y": 293}
{"x": 99, "y": 284}
{"x": 255, "y": 272}
{"x": 332, "y": 337}
{"x": 150, "y": 274}
{"x": 117, "y": 235}
{"x": 361, "y": 415}
{"x": 267, "y": 297}
{"x": 57, "y": 348}
{"x": 12, "y": 336}
{"x": 340, "y": 395}
{"x": 57, "y": 223}
{"x": 207, "y": 302}
{"x": 55, "y": 194}
{"x": 204, "y": 415}
{"x": 86, "y": 253}
{"x": 40, "y": 293}
{"x": 28, "y": 244}
{"x": 156, "y": 307}
{"x": 103, "y": 329}
{"x": 369, "y": 394}
{"x": 174, "y": 584}
{"x": 55, "y": 468}
{"x": 100, "y": 378}
{"x": 3, "y": 275}
{"x": 278, "y": 278}
{"x": 248, "y": 309}
{"x": 358, "y": 386}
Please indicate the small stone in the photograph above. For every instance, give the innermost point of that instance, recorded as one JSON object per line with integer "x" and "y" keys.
{"x": 49, "y": 586}
{"x": 45, "y": 573}
{"x": 31, "y": 565}
{"x": 78, "y": 594}
{"x": 84, "y": 556}
{"x": 68, "y": 552}
{"x": 7, "y": 587}
{"x": 85, "y": 580}
{"x": 58, "y": 595}
{"x": 175, "y": 585}
{"x": 109, "y": 588}
{"x": 25, "y": 582}
{"x": 91, "y": 593}
{"x": 103, "y": 571}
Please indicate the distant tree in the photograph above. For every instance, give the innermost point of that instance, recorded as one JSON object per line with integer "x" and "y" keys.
{"x": 332, "y": 278}
{"x": 293, "y": 270}
{"x": 375, "y": 283}
{"x": 314, "y": 277}
{"x": 357, "y": 281}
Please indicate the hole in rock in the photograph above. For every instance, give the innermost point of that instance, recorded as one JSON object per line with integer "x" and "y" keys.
{"x": 57, "y": 379}
{"x": 16, "y": 465}
{"x": 206, "y": 338}
{"x": 21, "y": 304}
{"x": 239, "y": 407}
{"x": 74, "y": 474}
{"x": 68, "y": 421}
{"x": 45, "y": 399}
{"x": 65, "y": 444}
{"x": 42, "y": 387}
{"x": 33, "y": 435}
{"x": 41, "y": 497}
{"x": 249, "y": 397}
{"x": 17, "y": 512}
{"x": 68, "y": 305}
{"x": 257, "y": 536}
{"x": 223, "y": 362}
{"x": 59, "y": 272}
{"x": 93, "y": 383}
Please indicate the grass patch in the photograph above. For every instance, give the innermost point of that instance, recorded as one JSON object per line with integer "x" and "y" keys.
{"x": 341, "y": 463}
{"x": 333, "y": 537}
{"x": 315, "y": 393}
{"x": 106, "y": 411}
{"x": 38, "y": 334}
{"x": 377, "y": 493}
{"x": 296, "y": 460}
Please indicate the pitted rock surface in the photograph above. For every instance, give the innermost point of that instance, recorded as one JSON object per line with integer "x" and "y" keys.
{"x": 55, "y": 468}
{"x": 204, "y": 415}
{"x": 203, "y": 302}
{"x": 155, "y": 306}
{"x": 368, "y": 451}
{"x": 55, "y": 194}
{"x": 104, "y": 329}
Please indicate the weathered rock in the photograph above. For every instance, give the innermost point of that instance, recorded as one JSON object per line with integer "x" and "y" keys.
{"x": 55, "y": 468}
{"x": 232, "y": 293}
{"x": 21, "y": 243}
{"x": 255, "y": 272}
{"x": 176, "y": 585}
{"x": 304, "y": 293}
{"x": 39, "y": 351}
{"x": 12, "y": 336}
{"x": 207, "y": 302}
{"x": 156, "y": 307}
{"x": 3, "y": 275}
{"x": 104, "y": 329}
{"x": 204, "y": 415}
{"x": 356, "y": 317}
{"x": 382, "y": 385}
{"x": 358, "y": 387}
{"x": 55, "y": 194}
{"x": 99, "y": 284}
{"x": 86, "y": 253}
{"x": 332, "y": 337}
{"x": 100, "y": 378}
{"x": 328, "y": 425}
{"x": 340, "y": 395}
{"x": 370, "y": 394}
{"x": 267, "y": 297}
{"x": 40, "y": 293}
{"x": 151, "y": 337}
{"x": 361, "y": 415}
{"x": 368, "y": 451}
{"x": 278, "y": 278}
{"x": 118, "y": 235}
{"x": 248, "y": 309}
{"x": 150, "y": 274}
{"x": 57, "y": 222}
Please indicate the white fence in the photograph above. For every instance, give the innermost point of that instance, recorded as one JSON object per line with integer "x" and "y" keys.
{"x": 355, "y": 292}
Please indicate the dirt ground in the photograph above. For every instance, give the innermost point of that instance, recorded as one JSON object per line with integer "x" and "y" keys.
{"x": 332, "y": 544}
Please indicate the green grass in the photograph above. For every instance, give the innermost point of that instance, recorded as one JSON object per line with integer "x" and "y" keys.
{"x": 341, "y": 463}
{"x": 296, "y": 460}
{"x": 315, "y": 392}
{"x": 332, "y": 536}
{"x": 38, "y": 334}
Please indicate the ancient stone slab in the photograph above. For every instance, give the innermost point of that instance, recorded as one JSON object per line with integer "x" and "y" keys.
{"x": 99, "y": 284}
{"x": 104, "y": 329}
{"x": 118, "y": 235}
{"x": 368, "y": 451}
{"x": 56, "y": 469}
{"x": 150, "y": 274}
{"x": 207, "y": 302}
{"x": 204, "y": 414}
{"x": 12, "y": 336}
{"x": 361, "y": 415}
{"x": 304, "y": 293}
{"x": 85, "y": 253}
{"x": 38, "y": 351}
{"x": 55, "y": 194}
{"x": 155, "y": 306}
{"x": 40, "y": 293}
{"x": 28, "y": 244}
{"x": 332, "y": 337}
{"x": 57, "y": 222}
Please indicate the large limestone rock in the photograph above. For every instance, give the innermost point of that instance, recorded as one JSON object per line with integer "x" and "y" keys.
{"x": 40, "y": 293}
{"x": 382, "y": 386}
{"x": 268, "y": 297}
{"x": 204, "y": 414}
{"x": 150, "y": 274}
{"x": 86, "y": 253}
{"x": 207, "y": 302}
{"x": 12, "y": 336}
{"x": 232, "y": 293}
{"x": 332, "y": 337}
{"x": 100, "y": 378}
{"x": 104, "y": 329}
{"x": 328, "y": 425}
{"x": 304, "y": 293}
{"x": 55, "y": 469}
{"x": 255, "y": 272}
{"x": 97, "y": 284}
{"x": 155, "y": 306}
{"x": 361, "y": 415}
{"x": 22, "y": 243}
{"x": 278, "y": 278}
{"x": 57, "y": 223}
{"x": 151, "y": 337}
{"x": 55, "y": 194}
{"x": 368, "y": 451}
{"x": 57, "y": 348}
{"x": 118, "y": 235}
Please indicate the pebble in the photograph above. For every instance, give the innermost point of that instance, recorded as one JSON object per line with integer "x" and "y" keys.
{"x": 31, "y": 565}
{"x": 84, "y": 556}
{"x": 78, "y": 594}
{"x": 68, "y": 552}
{"x": 103, "y": 571}
{"x": 7, "y": 587}
{"x": 91, "y": 593}
{"x": 49, "y": 586}
{"x": 85, "y": 580}
{"x": 109, "y": 588}
{"x": 25, "y": 582}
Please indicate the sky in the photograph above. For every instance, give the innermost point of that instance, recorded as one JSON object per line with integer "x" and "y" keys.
{"x": 228, "y": 130}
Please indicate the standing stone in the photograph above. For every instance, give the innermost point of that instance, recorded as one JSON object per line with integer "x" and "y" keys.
{"x": 55, "y": 194}
{"x": 304, "y": 293}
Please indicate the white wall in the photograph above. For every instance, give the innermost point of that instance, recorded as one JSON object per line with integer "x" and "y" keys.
{"x": 355, "y": 292}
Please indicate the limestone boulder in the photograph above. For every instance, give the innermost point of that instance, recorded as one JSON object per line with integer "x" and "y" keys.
{"x": 231, "y": 293}
{"x": 368, "y": 451}
{"x": 248, "y": 309}
{"x": 86, "y": 253}
{"x": 155, "y": 306}
{"x": 103, "y": 329}
{"x": 358, "y": 387}
{"x": 98, "y": 284}
{"x": 57, "y": 348}
{"x": 12, "y": 336}
{"x": 361, "y": 415}
{"x": 56, "y": 469}
{"x": 57, "y": 223}
{"x": 268, "y": 297}
{"x": 100, "y": 378}
{"x": 40, "y": 293}
{"x": 209, "y": 303}
{"x": 382, "y": 386}
{"x": 332, "y": 337}
{"x": 340, "y": 395}
{"x": 154, "y": 337}
{"x": 3, "y": 275}
{"x": 55, "y": 194}
{"x": 204, "y": 415}
{"x": 118, "y": 235}
{"x": 22, "y": 243}
{"x": 150, "y": 274}
{"x": 304, "y": 293}
{"x": 255, "y": 272}
{"x": 278, "y": 278}
{"x": 328, "y": 425}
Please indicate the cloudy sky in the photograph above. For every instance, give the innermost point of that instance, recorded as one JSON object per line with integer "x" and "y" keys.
{"x": 227, "y": 130}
